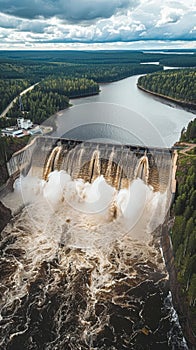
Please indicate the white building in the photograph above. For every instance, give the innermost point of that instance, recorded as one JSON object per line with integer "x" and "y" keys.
{"x": 12, "y": 132}
{"x": 24, "y": 123}
{"x": 24, "y": 127}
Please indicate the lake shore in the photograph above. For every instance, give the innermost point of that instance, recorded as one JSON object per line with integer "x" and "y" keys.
{"x": 187, "y": 105}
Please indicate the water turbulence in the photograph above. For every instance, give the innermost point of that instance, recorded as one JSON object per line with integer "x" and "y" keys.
{"x": 81, "y": 262}
{"x": 142, "y": 171}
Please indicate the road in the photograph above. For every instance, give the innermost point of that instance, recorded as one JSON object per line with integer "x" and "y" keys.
{"x": 190, "y": 146}
{"x": 3, "y": 114}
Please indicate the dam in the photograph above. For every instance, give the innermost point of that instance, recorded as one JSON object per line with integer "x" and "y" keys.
{"x": 119, "y": 164}
{"x": 82, "y": 260}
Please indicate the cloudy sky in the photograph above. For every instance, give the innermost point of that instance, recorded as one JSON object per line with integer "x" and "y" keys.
{"x": 97, "y": 24}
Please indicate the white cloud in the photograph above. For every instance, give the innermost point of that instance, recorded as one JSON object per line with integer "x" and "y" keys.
{"x": 169, "y": 15}
{"x": 8, "y": 22}
{"x": 136, "y": 45}
{"x": 193, "y": 30}
{"x": 96, "y": 21}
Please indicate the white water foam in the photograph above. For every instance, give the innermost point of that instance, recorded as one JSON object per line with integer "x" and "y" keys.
{"x": 136, "y": 205}
{"x": 84, "y": 225}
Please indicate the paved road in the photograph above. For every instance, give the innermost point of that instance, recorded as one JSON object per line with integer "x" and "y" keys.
{"x": 3, "y": 114}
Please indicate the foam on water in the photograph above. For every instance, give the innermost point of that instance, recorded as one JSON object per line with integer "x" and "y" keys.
{"x": 93, "y": 248}
{"x": 97, "y": 200}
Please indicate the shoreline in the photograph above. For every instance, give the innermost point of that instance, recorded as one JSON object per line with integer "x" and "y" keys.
{"x": 84, "y": 95}
{"x": 190, "y": 106}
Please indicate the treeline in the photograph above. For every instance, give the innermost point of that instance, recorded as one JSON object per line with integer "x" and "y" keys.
{"x": 99, "y": 65}
{"x": 70, "y": 87}
{"x": 189, "y": 134}
{"x": 4, "y": 122}
{"x": 179, "y": 60}
{"x": 32, "y": 71}
{"x": 184, "y": 230}
{"x": 110, "y": 73}
{"x": 50, "y": 96}
{"x": 9, "y": 89}
{"x": 179, "y": 85}
{"x": 98, "y": 71}
{"x": 169, "y": 57}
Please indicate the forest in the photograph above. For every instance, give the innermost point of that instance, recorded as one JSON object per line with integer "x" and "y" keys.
{"x": 178, "y": 61}
{"x": 100, "y": 72}
{"x": 185, "y": 58}
{"x": 179, "y": 85}
{"x": 184, "y": 230}
{"x": 189, "y": 134}
{"x": 9, "y": 89}
{"x": 50, "y": 96}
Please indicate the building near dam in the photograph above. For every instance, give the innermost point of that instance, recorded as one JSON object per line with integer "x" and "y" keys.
{"x": 24, "y": 127}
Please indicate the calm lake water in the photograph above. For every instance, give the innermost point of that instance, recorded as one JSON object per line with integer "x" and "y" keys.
{"x": 122, "y": 113}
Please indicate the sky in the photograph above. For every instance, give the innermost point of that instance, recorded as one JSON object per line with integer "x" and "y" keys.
{"x": 97, "y": 24}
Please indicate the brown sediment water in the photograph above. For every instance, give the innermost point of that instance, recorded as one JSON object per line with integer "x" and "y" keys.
{"x": 82, "y": 266}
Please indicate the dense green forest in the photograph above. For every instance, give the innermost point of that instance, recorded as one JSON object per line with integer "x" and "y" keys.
{"x": 179, "y": 61}
{"x": 189, "y": 133}
{"x": 102, "y": 66}
{"x": 9, "y": 89}
{"x": 184, "y": 229}
{"x": 69, "y": 87}
{"x": 99, "y": 71}
{"x": 4, "y": 123}
{"x": 179, "y": 85}
{"x": 181, "y": 57}
{"x": 50, "y": 96}
{"x": 110, "y": 73}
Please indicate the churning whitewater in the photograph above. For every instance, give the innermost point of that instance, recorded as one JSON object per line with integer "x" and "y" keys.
{"x": 81, "y": 260}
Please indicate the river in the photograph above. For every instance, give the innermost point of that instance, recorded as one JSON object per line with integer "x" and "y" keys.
{"x": 82, "y": 266}
{"x": 123, "y": 113}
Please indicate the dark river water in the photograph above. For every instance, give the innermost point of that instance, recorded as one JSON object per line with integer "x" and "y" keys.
{"x": 123, "y": 113}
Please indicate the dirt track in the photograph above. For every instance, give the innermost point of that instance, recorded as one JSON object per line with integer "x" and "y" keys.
{"x": 190, "y": 147}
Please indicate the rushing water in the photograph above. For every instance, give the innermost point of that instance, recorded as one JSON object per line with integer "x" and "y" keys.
{"x": 81, "y": 263}
{"x": 82, "y": 266}
{"x": 123, "y": 113}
